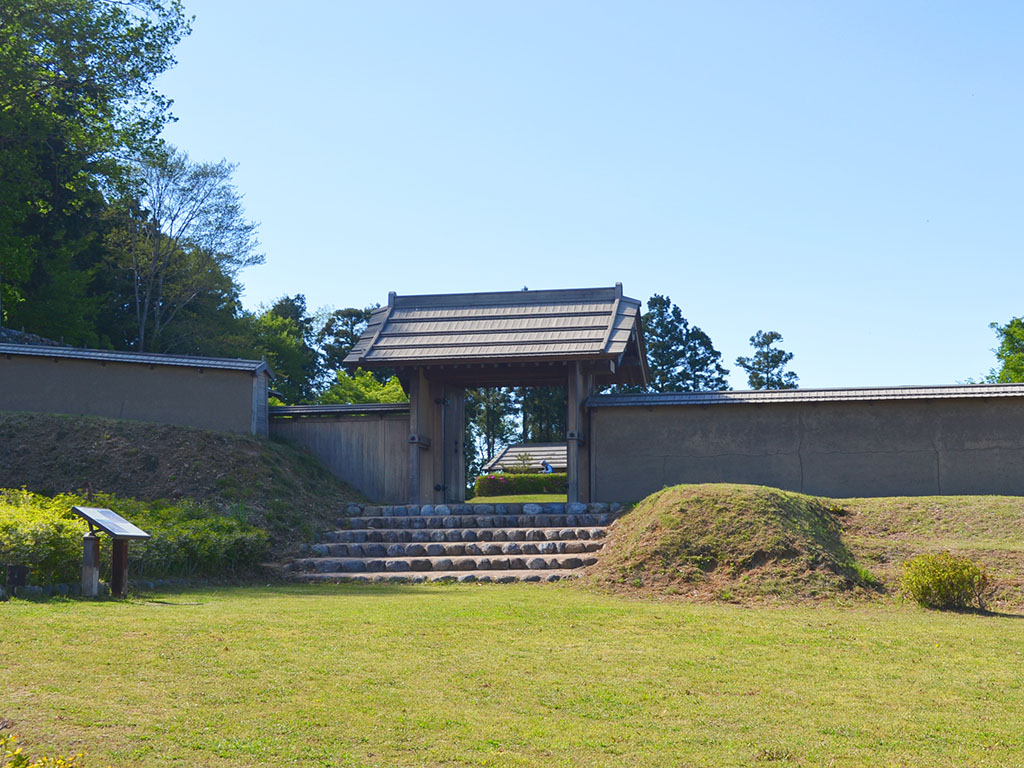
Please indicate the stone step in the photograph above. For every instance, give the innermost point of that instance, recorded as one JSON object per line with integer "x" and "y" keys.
{"x": 427, "y": 510}
{"x": 502, "y": 562}
{"x": 477, "y": 521}
{"x": 500, "y": 577}
{"x": 423, "y": 535}
{"x": 458, "y": 548}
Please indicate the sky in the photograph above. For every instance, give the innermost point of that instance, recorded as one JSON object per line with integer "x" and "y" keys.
{"x": 850, "y": 175}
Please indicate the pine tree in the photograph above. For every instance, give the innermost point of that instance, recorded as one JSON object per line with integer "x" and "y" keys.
{"x": 767, "y": 368}
{"x": 680, "y": 356}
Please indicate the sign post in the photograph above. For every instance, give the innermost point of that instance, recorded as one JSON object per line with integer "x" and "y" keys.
{"x": 90, "y": 565}
{"x": 121, "y": 531}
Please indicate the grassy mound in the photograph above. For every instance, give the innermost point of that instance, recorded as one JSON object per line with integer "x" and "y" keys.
{"x": 730, "y": 541}
{"x": 273, "y": 486}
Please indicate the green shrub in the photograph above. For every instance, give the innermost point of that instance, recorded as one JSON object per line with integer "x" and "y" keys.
{"x": 188, "y": 539}
{"x": 945, "y": 581}
{"x": 517, "y": 483}
{"x": 35, "y": 535}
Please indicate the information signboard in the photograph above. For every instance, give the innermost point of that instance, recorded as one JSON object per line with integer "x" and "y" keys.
{"x": 110, "y": 523}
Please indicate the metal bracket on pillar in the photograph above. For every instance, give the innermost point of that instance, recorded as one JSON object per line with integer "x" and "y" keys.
{"x": 419, "y": 441}
{"x": 577, "y": 436}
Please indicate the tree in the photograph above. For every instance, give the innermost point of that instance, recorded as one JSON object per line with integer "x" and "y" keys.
{"x": 213, "y": 324}
{"x": 362, "y": 387}
{"x": 282, "y": 335}
{"x": 543, "y": 412}
{"x": 186, "y": 216}
{"x": 76, "y": 94}
{"x": 491, "y": 419}
{"x": 339, "y": 331}
{"x": 766, "y": 369}
{"x": 680, "y": 357}
{"x": 1010, "y": 352}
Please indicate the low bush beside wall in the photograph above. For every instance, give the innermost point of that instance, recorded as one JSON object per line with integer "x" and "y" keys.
{"x": 945, "y": 581}
{"x": 519, "y": 483}
{"x": 188, "y": 539}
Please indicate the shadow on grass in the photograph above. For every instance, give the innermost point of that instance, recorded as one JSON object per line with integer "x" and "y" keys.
{"x": 981, "y": 612}
{"x": 993, "y": 614}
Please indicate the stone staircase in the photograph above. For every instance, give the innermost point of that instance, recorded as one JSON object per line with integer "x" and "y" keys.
{"x": 461, "y": 542}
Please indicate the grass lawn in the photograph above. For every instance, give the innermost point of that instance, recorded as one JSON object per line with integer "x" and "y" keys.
{"x": 514, "y": 675}
{"x": 523, "y": 498}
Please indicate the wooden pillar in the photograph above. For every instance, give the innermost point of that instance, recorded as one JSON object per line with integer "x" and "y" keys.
{"x": 90, "y": 565}
{"x": 573, "y": 436}
{"x": 119, "y": 569}
{"x": 454, "y": 449}
{"x": 414, "y": 431}
{"x": 583, "y": 458}
{"x": 432, "y": 482}
{"x": 578, "y": 388}
{"x": 423, "y": 429}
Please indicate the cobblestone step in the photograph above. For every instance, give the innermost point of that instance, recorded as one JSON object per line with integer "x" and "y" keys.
{"x": 421, "y": 535}
{"x": 426, "y": 564}
{"x": 441, "y": 510}
{"x": 499, "y": 577}
{"x": 459, "y": 548}
{"x": 465, "y": 542}
{"x": 477, "y": 521}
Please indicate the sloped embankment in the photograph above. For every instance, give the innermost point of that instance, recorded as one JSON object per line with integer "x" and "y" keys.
{"x": 886, "y": 532}
{"x": 274, "y": 486}
{"x": 730, "y": 541}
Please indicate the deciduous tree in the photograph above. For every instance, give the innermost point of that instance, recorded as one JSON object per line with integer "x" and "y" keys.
{"x": 76, "y": 95}
{"x": 1010, "y": 352}
{"x": 186, "y": 216}
{"x": 491, "y": 419}
{"x": 283, "y": 335}
{"x": 362, "y": 387}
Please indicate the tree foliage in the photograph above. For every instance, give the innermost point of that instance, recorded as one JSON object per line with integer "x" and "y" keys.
{"x": 339, "y": 331}
{"x": 490, "y": 421}
{"x": 680, "y": 356}
{"x": 76, "y": 95}
{"x": 1010, "y": 352}
{"x": 183, "y": 231}
{"x": 766, "y": 369}
{"x": 362, "y": 387}
{"x": 286, "y": 335}
{"x": 542, "y": 412}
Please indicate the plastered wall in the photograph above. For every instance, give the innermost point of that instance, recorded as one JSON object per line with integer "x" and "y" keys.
{"x": 837, "y": 449}
{"x": 208, "y": 399}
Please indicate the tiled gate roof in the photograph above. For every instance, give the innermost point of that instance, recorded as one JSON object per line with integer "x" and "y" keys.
{"x": 503, "y": 328}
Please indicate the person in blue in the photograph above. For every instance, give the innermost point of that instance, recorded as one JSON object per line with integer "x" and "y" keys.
{"x": 545, "y": 468}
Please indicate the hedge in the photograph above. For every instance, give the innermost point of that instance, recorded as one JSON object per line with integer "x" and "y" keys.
{"x": 188, "y": 539}
{"x": 520, "y": 483}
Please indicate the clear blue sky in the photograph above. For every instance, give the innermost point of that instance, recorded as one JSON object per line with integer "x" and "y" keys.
{"x": 848, "y": 174}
